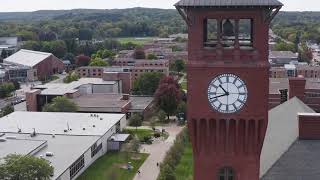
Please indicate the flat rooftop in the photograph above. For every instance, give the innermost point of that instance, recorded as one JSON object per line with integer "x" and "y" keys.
{"x": 18, "y": 146}
{"x": 63, "y": 88}
{"x": 277, "y": 84}
{"x": 98, "y": 101}
{"x": 56, "y": 123}
{"x": 66, "y": 149}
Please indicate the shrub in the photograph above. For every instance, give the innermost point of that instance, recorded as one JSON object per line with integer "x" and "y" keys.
{"x": 157, "y": 135}
{"x": 173, "y": 156}
{"x": 147, "y": 139}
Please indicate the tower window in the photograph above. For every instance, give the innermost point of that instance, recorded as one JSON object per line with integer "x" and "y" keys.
{"x": 228, "y": 33}
{"x": 245, "y": 33}
{"x": 210, "y": 32}
{"x": 226, "y": 174}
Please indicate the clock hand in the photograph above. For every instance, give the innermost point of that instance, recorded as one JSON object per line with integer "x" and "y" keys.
{"x": 219, "y": 96}
{"x": 227, "y": 93}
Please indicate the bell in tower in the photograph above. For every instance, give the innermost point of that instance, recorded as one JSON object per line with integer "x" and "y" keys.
{"x": 228, "y": 84}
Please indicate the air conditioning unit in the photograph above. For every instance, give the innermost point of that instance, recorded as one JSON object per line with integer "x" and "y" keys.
{"x": 49, "y": 154}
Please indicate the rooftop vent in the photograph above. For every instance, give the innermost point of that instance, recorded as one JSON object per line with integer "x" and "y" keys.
{"x": 19, "y": 130}
{"x": 53, "y": 135}
{"x": 49, "y": 154}
{"x": 101, "y": 119}
{"x": 83, "y": 128}
{"x": 65, "y": 130}
{"x": 11, "y": 137}
{"x": 33, "y": 134}
{"x": 94, "y": 126}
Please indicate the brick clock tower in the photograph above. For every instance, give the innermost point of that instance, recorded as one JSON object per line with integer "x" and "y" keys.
{"x": 228, "y": 84}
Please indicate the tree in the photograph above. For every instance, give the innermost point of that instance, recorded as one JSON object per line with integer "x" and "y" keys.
{"x": 85, "y": 34}
{"x": 179, "y": 65}
{"x": 135, "y": 120}
{"x": 282, "y": 46}
{"x": 16, "y": 84}
{"x": 4, "y": 54}
{"x": 152, "y": 57}
{"x": 139, "y": 53}
{"x": 71, "y": 77}
{"x": 70, "y": 57}
{"x": 60, "y": 104}
{"x": 167, "y": 173}
{"x": 7, "y": 110}
{"x": 305, "y": 54}
{"x": 82, "y": 60}
{"x": 6, "y": 89}
{"x": 168, "y": 95}
{"x": 147, "y": 83}
{"x": 135, "y": 146}
{"x": 98, "y": 62}
{"x": 162, "y": 116}
{"x": 25, "y": 167}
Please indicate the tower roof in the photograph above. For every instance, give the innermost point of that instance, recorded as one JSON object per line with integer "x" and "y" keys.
{"x": 229, "y": 3}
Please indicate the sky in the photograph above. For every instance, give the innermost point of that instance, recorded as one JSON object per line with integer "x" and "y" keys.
{"x": 33, "y": 5}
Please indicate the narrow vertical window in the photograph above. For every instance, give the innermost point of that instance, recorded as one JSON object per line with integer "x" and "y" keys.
{"x": 226, "y": 174}
{"x": 210, "y": 33}
{"x": 245, "y": 33}
{"x": 228, "y": 33}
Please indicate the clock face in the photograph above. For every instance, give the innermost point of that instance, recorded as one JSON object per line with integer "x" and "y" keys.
{"x": 227, "y": 93}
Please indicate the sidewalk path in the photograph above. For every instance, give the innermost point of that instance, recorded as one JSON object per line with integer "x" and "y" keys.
{"x": 157, "y": 151}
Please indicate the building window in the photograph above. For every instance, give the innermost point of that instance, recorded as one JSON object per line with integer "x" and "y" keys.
{"x": 210, "y": 33}
{"x": 76, "y": 167}
{"x": 226, "y": 174}
{"x": 95, "y": 149}
{"x": 245, "y": 33}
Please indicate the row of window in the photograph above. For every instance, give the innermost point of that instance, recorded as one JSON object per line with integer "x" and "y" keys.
{"x": 228, "y": 33}
{"x": 76, "y": 166}
{"x": 95, "y": 149}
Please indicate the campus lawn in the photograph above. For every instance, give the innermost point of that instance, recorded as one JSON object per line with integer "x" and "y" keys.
{"x": 184, "y": 170}
{"x": 110, "y": 165}
{"x": 184, "y": 85}
{"x": 139, "y": 41}
{"x": 140, "y": 133}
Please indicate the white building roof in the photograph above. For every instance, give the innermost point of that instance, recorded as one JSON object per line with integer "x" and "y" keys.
{"x": 27, "y": 57}
{"x": 66, "y": 147}
{"x": 282, "y": 132}
{"x": 56, "y": 123}
{"x": 63, "y": 88}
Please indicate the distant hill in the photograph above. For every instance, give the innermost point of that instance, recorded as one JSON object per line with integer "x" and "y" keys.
{"x": 83, "y": 13}
{"x": 115, "y": 14}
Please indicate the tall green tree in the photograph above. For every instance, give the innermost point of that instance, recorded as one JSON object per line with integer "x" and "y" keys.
{"x": 25, "y": 167}
{"x": 179, "y": 65}
{"x": 7, "y": 110}
{"x": 60, "y": 104}
{"x": 98, "y": 62}
{"x": 135, "y": 120}
{"x": 147, "y": 83}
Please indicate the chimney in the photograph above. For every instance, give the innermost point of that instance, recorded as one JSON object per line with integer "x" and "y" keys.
{"x": 297, "y": 87}
{"x": 283, "y": 95}
{"x": 125, "y": 97}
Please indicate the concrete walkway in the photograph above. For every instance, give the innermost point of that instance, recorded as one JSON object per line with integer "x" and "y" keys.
{"x": 157, "y": 151}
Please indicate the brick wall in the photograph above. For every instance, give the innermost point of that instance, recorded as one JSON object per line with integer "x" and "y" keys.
{"x": 309, "y": 126}
{"x": 31, "y": 100}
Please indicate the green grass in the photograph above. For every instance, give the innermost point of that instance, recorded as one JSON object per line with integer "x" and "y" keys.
{"x": 139, "y": 41}
{"x": 139, "y": 132}
{"x": 184, "y": 85}
{"x": 184, "y": 170}
{"x": 108, "y": 166}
